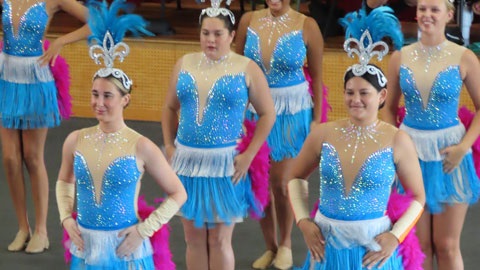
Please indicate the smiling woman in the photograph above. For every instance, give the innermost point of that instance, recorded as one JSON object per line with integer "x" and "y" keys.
{"x": 430, "y": 74}
{"x": 103, "y": 161}
{"x": 350, "y": 229}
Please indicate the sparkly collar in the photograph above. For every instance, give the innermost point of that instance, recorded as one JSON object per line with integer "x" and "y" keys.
{"x": 285, "y": 16}
{"x": 431, "y": 50}
{"x": 357, "y": 137}
{"x": 209, "y": 62}
{"x": 110, "y": 135}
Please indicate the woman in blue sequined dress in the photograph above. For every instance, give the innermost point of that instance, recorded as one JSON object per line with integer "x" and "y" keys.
{"x": 28, "y": 106}
{"x": 280, "y": 40}
{"x": 202, "y": 124}
{"x": 430, "y": 74}
{"x": 358, "y": 159}
{"x": 101, "y": 171}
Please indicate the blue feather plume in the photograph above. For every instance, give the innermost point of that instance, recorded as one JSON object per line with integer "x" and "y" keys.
{"x": 381, "y": 22}
{"x": 103, "y": 18}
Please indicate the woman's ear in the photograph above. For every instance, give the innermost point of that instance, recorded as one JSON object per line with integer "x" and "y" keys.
{"x": 126, "y": 100}
{"x": 383, "y": 95}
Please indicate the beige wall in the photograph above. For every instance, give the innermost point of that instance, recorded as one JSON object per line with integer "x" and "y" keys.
{"x": 150, "y": 63}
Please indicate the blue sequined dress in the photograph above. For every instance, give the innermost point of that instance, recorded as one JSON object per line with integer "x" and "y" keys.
{"x": 431, "y": 87}
{"x": 350, "y": 218}
{"x": 276, "y": 44}
{"x": 107, "y": 183}
{"x": 213, "y": 96}
{"x": 28, "y": 95}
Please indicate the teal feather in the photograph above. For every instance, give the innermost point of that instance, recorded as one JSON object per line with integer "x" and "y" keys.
{"x": 381, "y": 23}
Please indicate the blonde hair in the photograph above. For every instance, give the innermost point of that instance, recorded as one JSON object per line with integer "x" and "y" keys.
{"x": 117, "y": 83}
{"x": 450, "y": 5}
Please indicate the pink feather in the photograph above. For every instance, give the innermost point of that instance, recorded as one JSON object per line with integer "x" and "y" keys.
{"x": 61, "y": 74}
{"x": 66, "y": 242}
{"x": 466, "y": 116}
{"x": 409, "y": 249}
{"x": 259, "y": 168}
{"x": 325, "y": 105}
{"x": 400, "y": 115}
{"x": 162, "y": 256}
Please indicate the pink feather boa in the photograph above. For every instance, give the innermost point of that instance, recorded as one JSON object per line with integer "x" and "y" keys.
{"x": 61, "y": 74}
{"x": 409, "y": 249}
{"x": 162, "y": 256}
{"x": 466, "y": 117}
{"x": 259, "y": 168}
{"x": 325, "y": 106}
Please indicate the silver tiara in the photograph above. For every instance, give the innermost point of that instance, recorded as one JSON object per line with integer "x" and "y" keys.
{"x": 216, "y": 10}
{"x": 365, "y": 49}
{"x": 108, "y": 52}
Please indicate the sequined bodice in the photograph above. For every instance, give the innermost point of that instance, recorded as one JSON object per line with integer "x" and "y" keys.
{"x": 370, "y": 190}
{"x": 286, "y": 63}
{"x": 27, "y": 39}
{"x": 220, "y": 122}
{"x": 442, "y": 104}
{"x": 107, "y": 176}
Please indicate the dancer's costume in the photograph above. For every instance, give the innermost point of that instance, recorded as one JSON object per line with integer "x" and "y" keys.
{"x": 213, "y": 96}
{"x": 107, "y": 184}
{"x": 350, "y": 220}
{"x": 277, "y": 46}
{"x": 351, "y": 217}
{"x": 431, "y": 83}
{"x": 28, "y": 95}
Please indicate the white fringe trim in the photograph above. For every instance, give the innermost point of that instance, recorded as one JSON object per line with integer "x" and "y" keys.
{"x": 26, "y": 70}
{"x": 349, "y": 233}
{"x": 203, "y": 162}
{"x": 101, "y": 245}
{"x": 430, "y": 142}
{"x": 290, "y": 99}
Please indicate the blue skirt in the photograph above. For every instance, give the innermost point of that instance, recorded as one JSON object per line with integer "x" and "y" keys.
{"x": 206, "y": 174}
{"x": 294, "y": 111}
{"x": 349, "y": 259}
{"x": 217, "y": 200}
{"x": 461, "y": 185}
{"x": 288, "y": 134}
{"x": 28, "y": 95}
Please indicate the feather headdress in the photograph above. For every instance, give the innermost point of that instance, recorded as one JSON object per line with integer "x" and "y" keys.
{"x": 108, "y": 29}
{"x": 363, "y": 37}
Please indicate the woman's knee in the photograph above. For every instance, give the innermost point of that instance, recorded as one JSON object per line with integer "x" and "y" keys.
{"x": 32, "y": 160}
{"x": 446, "y": 246}
{"x": 12, "y": 162}
{"x": 216, "y": 241}
{"x": 196, "y": 238}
